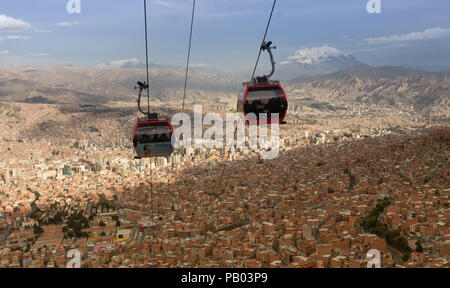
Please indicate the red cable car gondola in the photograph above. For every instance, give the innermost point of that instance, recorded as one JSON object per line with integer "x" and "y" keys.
{"x": 262, "y": 95}
{"x": 152, "y": 137}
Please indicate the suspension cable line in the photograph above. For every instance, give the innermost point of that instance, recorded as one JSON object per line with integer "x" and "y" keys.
{"x": 146, "y": 56}
{"x": 219, "y": 184}
{"x": 264, "y": 39}
{"x": 188, "y": 56}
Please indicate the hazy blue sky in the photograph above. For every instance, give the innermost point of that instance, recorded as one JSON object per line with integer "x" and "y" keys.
{"x": 227, "y": 33}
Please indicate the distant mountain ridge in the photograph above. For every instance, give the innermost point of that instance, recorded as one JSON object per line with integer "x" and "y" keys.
{"x": 315, "y": 61}
{"x": 70, "y": 84}
{"x": 390, "y": 85}
{"x": 427, "y": 92}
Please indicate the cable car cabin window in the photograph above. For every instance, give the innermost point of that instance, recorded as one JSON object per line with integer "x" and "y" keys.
{"x": 265, "y": 99}
{"x": 153, "y": 139}
{"x": 149, "y": 133}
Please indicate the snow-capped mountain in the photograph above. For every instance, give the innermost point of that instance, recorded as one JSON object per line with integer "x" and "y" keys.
{"x": 315, "y": 61}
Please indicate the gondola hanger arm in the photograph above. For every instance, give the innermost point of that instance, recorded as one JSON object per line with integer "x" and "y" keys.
{"x": 267, "y": 46}
{"x": 141, "y": 86}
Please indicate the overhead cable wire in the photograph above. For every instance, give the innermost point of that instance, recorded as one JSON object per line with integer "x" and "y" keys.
{"x": 264, "y": 39}
{"x": 219, "y": 184}
{"x": 188, "y": 56}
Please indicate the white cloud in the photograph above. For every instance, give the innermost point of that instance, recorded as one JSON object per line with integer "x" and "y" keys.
{"x": 230, "y": 14}
{"x": 163, "y": 3}
{"x": 10, "y": 24}
{"x": 42, "y": 31}
{"x": 122, "y": 63}
{"x": 199, "y": 65}
{"x": 64, "y": 24}
{"x": 428, "y": 34}
{"x": 38, "y": 54}
{"x": 15, "y": 37}
{"x": 314, "y": 55}
{"x": 4, "y": 52}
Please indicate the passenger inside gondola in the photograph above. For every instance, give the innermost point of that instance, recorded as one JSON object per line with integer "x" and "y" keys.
{"x": 267, "y": 100}
{"x": 153, "y": 139}
{"x": 147, "y": 150}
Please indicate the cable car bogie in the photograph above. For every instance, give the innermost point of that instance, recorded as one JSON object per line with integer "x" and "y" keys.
{"x": 263, "y": 96}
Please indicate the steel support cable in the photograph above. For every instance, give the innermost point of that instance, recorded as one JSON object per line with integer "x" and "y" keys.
{"x": 264, "y": 39}
{"x": 187, "y": 63}
{"x": 151, "y": 207}
{"x": 219, "y": 184}
{"x": 146, "y": 56}
{"x": 148, "y": 105}
{"x": 188, "y": 56}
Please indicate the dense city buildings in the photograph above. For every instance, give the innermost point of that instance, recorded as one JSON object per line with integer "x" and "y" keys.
{"x": 309, "y": 207}
{"x": 356, "y": 174}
